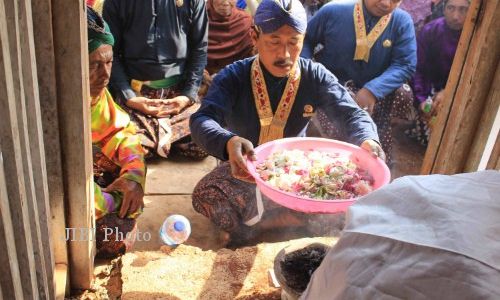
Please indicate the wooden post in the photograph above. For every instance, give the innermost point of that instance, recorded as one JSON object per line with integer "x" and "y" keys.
{"x": 33, "y": 126}
{"x": 31, "y": 145}
{"x": 61, "y": 276}
{"x": 15, "y": 156}
{"x": 47, "y": 86}
{"x": 494, "y": 162}
{"x": 451, "y": 87}
{"x": 467, "y": 90}
{"x": 70, "y": 46}
{"x": 10, "y": 280}
{"x": 475, "y": 83}
{"x": 487, "y": 129}
{"x": 24, "y": 205}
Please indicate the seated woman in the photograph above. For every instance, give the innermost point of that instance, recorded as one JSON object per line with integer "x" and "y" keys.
{"x": 229, "y": 37}
{"x": 119, "y": 168}
{"x": 436, "y": 47}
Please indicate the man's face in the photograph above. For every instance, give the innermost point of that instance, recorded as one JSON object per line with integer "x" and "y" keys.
{"x": 380, "y": 8}
{"x": 280, "y": 50}
{"x": 455, "y": 12}
{"x": 100, "y": 62}
{"x": 223, "y": 7}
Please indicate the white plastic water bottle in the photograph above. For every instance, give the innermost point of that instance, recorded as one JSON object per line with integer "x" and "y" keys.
{"x": 175, "y": 230}
{"x": 428, "y": 105}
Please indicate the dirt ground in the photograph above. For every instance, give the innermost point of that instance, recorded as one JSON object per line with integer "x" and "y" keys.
{"x": 168, "y": 191}
{"x": 188, "y": 272}
{"x": 408, "y": 154}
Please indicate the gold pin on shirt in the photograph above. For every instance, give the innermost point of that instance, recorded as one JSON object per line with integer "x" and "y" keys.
{"x": 179, "y": 3}
{"x": 387, "y": 43}
{"x": 308, "y": 111}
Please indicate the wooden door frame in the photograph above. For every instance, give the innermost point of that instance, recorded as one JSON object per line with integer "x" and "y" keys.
{"x": 467, "y": 120}
{"x": 60, "y": 38}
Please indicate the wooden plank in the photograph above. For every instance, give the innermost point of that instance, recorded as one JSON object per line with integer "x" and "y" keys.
{"x": 39, "y": 206}
{"x": 451, "y": 87}
{"x": 11, "y": 92}
{"x": 18, "y": 34}
{"x": 36, "y": 144}
{"x": 70, "y": 45}
{"x": 10, "y": 279}
{"x": 47, "y": 86}
{"x": 494, "y": 162}
{"x": 473, "y": 89}
{"x": 60, "y": 277}
{"x": 487, "y": 132}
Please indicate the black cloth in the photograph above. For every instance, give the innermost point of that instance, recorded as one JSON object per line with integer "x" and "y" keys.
{"x": 157, "y": 39}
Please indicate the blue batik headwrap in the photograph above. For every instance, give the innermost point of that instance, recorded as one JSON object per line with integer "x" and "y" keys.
{"x": 272, "y": 14}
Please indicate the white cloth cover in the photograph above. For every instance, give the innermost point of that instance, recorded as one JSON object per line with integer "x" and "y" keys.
{"x": 420, "y": 237}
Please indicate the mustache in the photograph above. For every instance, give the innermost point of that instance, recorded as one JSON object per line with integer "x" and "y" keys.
{"x": 283, "y": 63}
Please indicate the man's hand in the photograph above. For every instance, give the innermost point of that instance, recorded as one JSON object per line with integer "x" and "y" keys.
{"x": 237, "y": 148}
{"x": 159, "y": 108}
{"x": 374, "y": 148}
{"x": 132, "y": 195}
{"x": 366, "y": 100}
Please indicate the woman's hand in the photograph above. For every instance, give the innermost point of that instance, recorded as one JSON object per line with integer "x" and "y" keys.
{"x": 132, "y": 195}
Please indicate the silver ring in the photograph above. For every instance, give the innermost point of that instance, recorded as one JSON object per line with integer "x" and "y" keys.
{"x": 365, "y": 108}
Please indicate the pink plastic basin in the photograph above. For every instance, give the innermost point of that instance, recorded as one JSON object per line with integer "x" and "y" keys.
{"x": 375, "y": 167}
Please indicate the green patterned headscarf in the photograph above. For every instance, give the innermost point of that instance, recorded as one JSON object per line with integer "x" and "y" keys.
{"x": 98, "y": 31}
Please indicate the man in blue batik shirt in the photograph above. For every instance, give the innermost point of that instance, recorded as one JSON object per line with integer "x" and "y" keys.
{"x": 250, "y": 92}
{"x": 370, "y": 46}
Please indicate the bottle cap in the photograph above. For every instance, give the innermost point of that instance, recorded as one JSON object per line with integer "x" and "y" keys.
{"x": 179, "y": 226}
